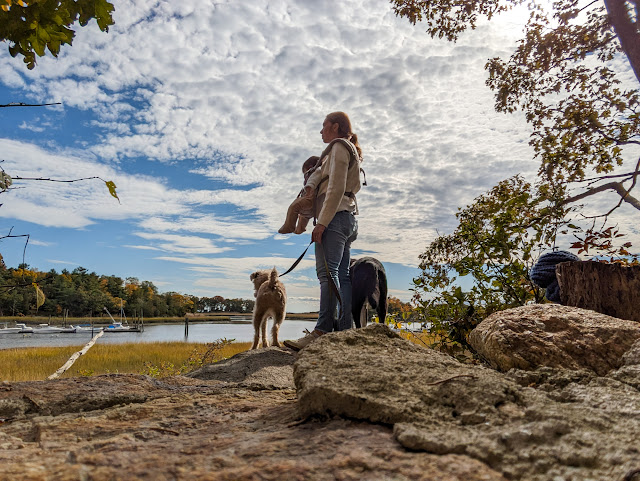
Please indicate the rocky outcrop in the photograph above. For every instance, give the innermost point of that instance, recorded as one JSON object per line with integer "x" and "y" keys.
{"x": 367, "y": 405}
{"x": 236, "y": 420}
{"x": 528, "y": 425}
{"x": 555, "y": 336}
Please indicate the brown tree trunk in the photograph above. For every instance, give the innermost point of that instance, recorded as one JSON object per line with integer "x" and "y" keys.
{"x": 610, "y": 289}
{"x": 622, "y": 15}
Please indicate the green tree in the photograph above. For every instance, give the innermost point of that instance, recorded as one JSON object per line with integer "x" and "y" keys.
{"x": 33, "y": 26}
{"x": 494, "y": 246}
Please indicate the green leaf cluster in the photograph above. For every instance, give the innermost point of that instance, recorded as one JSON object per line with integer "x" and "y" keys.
{"x": 34, "y": 26}
{"x": 561, "y": 77}
{"x": 498, "y": 239}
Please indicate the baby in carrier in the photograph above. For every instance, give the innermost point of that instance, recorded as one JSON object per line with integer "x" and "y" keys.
{"x": 301, "y": 209}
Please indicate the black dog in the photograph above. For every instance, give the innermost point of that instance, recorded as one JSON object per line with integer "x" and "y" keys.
{"x": 368, "y": 283}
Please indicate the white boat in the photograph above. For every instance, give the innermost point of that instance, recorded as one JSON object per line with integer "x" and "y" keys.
{"x": 86, "y": 328}
{"x": 47, "y": 329}
{"x": 118, "y": 327}
{"x": 9, "y": 330}
{"x": 24, "y": 329}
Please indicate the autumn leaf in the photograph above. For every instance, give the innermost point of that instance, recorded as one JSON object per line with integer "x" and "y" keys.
{"x": 39, "y": 296}
{"x": 112, "y": 189}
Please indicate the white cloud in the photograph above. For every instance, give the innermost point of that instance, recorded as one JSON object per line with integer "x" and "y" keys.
{"x": 181, "y": 244}
{"x": 36, "y": 242}
{"x": 233, "y": 95}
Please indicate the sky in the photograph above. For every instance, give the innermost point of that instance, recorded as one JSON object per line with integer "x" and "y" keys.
{"x": 202, "y": 113}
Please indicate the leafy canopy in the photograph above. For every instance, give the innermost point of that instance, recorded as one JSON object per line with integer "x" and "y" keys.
{"x": 562, "y": 75}
{"x": 494, "y": 247}
{"x": 32, "y": 26}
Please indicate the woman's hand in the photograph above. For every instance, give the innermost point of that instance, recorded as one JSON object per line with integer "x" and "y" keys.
{"x": 316, "y": 235}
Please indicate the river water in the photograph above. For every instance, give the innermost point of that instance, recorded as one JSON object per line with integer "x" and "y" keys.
{"x": 198, "y": 333}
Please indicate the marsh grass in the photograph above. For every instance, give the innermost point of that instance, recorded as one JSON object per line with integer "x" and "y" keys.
{"x": 37, "y": 363}
{"x": 33, "y": 363}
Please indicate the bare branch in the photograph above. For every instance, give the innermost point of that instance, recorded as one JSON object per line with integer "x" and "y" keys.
{"x": 21, "y": 104}
{"x": 24, "y": 251}
{"x": 596, "y": 179}
{"x": 54, "y": 180}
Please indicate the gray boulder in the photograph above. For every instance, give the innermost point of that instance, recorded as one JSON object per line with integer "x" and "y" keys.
{"x": 527, "y": 425}
{"x": 269, "y": 368}
{"x": 555, "y": 336}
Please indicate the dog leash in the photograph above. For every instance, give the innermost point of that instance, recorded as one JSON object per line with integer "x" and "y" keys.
{"x": 297, "y": 261}
{"x": 332, "y": 283}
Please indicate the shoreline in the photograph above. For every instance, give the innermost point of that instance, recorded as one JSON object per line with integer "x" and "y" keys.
{"x": 230, "y": 318}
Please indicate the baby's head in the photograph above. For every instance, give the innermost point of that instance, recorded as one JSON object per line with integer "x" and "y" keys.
{"x": 310, "y": 163}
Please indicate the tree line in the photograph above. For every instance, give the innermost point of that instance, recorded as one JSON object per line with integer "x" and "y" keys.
{"x": 81, "y": 293}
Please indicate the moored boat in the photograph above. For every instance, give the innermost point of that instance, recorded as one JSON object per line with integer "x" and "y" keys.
{"x": 24, "y": 329}
{"x": 86, "y": 328}
{"x": 8, "y": 330}
{"x": 47, "y": 329}
{"x": 119, "y": 327}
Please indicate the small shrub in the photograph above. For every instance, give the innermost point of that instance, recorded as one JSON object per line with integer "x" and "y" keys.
{"x": 201, "y": 355}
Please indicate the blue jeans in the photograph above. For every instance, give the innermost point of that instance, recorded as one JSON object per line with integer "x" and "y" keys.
{"x": 336, "y": 244}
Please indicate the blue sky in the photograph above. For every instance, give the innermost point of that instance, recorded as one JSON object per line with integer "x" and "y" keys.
{"x": 202, "y": 113}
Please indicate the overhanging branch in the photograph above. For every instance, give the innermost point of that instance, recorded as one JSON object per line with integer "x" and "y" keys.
{"x": 616, "y": 186}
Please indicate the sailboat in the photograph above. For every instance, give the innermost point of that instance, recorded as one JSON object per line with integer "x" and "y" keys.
{"x": 116, "y": 326}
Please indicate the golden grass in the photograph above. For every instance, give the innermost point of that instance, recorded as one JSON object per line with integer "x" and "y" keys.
{"x": 33, "y": 363}
{"x": 37, "y": 363}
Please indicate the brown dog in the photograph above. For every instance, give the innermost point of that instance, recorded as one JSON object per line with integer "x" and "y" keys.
{"x": 271, "y": 301}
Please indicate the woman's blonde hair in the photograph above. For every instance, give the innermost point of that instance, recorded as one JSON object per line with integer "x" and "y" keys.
{"x": 344, "y": 128}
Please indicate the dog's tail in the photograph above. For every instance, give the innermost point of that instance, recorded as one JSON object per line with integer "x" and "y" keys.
{"x": 273, "y": 278}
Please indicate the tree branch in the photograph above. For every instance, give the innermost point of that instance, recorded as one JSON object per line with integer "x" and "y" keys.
{"x": 617, "y": 186}
{"x": 55, "y": 180}
{"x": 21, "y": 104}
{"x": 597, "y": 179}
{"x": 28, "y": 236}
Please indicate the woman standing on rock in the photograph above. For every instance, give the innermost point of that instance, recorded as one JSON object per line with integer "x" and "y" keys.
{"x": 333, "y": 190}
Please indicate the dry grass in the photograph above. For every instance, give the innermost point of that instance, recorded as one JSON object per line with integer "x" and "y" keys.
{"x": 37, "y": 363}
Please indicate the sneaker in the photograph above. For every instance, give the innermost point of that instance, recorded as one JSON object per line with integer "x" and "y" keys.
{"x": 304, "y": 341}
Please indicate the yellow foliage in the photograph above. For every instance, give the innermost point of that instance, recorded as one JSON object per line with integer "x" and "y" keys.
{"x": 39, "y": 296}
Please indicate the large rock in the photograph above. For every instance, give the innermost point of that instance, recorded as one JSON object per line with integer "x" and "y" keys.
{"x": 227, "y": 422}
{"x": 541, "y": 425}
{"x": 272, "y": 369}
{"x": 555, "y": 336}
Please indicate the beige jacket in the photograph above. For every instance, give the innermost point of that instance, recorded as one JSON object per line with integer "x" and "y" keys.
{"x": 340, "y": 179}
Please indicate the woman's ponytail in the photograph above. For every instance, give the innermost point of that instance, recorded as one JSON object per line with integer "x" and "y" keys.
{"x": 353, "y": 138}
{"x": 344, "y": 129}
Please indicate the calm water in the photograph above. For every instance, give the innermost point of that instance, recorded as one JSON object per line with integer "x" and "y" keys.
{"x": 202, "y": 333}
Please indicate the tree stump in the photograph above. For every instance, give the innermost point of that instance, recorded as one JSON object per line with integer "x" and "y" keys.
{"x": 610, "y": 289}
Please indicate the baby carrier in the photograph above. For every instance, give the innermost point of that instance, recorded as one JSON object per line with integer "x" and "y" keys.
{"x": 355, "y": 159}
